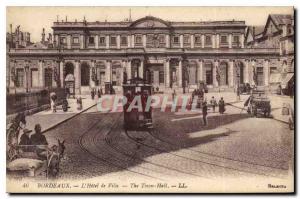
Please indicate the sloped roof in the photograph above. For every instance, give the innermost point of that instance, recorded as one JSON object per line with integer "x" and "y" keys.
{"x": 281, "y": 19}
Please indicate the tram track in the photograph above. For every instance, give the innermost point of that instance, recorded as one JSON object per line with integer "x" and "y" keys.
{"x": 104, "y": 160}
{"x": 202, "y": 161}
{"x": 118, "y": 149}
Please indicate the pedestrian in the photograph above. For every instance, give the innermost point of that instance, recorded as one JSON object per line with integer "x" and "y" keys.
{"x": 79, "y": 103}
{"x": 93, "y": 94}
{"x": 213, "y": 103}
{"x": 204, "y": 113}
{"x": 173, "y": 95}
{"x": 221, "y": 106}
{"x": 99, "y": 93}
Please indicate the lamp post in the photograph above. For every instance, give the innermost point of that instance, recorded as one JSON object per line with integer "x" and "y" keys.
{"x": 238, "y": 82}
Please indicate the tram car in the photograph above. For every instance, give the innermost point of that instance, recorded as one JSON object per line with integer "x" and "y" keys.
{"x": 137, "y": 118}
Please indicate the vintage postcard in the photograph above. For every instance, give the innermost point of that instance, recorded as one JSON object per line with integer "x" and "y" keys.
{"x": 150, "y": 99}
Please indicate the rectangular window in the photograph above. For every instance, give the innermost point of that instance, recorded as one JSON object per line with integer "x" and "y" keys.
{"x": 48, "y": 77}
{"x": 102, "y": 41}
{"x": 138, "y": 39}
{"x": 176, "y": 39}
{"x": 124, "y": 40}
{"x": 161, "y": 39}
{"x": 236, "y": 39}
{"x": 161, "y": 77}
{"x": 198, "y": 39}
{"x": 34, "y": 77}
{"x": 75, "y": 40}
{"x": 114, "y": 78}
{"x": 113, "y": 41}
{"x": 91, "y": 40}
{"x": 20, "y": 77}
{"x": 186, "y": 39}
{"x": 208, "y": 40}
{"x": 223, "y": 39}
{"x": 63, "y": 40}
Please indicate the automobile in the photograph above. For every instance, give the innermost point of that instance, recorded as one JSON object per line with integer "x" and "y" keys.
{"x": 259, "y": 103}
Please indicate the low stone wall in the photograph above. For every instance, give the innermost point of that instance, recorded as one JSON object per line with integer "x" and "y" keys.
{"x": 31, "y": 103}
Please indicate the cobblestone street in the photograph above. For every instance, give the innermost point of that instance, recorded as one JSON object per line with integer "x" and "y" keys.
{"x": 179, "y": 145}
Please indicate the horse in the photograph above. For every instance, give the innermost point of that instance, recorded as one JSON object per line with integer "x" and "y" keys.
{"x": 12, "y": 135}
{"x": 55, "y": 155}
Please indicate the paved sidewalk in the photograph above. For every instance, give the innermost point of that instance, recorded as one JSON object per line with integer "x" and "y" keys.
{"x": 48, "y": 119}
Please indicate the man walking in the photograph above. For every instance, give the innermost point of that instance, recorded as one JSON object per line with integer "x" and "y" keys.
{"x": 213, "y": 103}
{"x": 204, "y": 113}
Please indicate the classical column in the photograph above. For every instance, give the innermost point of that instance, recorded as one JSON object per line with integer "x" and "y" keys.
{"x": 167, "y": 72}
{"x": 217, "y": 41}
{"x": 180, "y": 73}
{"x": 242, "y": 40}
{"x": 123, "y": 70}
{"x": 77, "y": 77}
{"x": 82, "y": 42}
{"x": 61, "y": 73}
{"x": 41, "y": 74}
{"x": 246, "y": 72}
{"x": 141, "y": 69}
{"x": 97, "y": 41}
{"x": 213, "y": 41}
{"x": 118, "y": 41}
{"x": 132, "y": 41}
{"x": 12, "y": 74}
{"x": 216, "y": 64}
{"x": 56, "y": 40}
{"x": 266, "y": 72}
{"x": 202, "y": 41}
{"x": 192, "y": 41}
{"x": 200, "y": 70}
{"x": 69, "y": 41}
{"x": 128, "y": 41}
{"x": 144, "y": 41}
{"x": 107, "y": 41}
{"x": 230, "y": 40}
{"x": 167, "y": 41}
{"x": 92, "y": 68}
{"x": 129, "y": 69}
{"x": 108, "y": 71}
{"x": 231, "y": 73}
{"x": 181, "y": 41}
{"x": 251, "y": 72}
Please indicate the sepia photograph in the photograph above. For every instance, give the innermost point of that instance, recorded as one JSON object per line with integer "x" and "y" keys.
{"x": 150, "y": 99}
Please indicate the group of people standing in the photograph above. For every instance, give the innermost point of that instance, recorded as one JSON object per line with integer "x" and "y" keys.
{"x": 93, "y": 93}
{"x": 213, "y": 104}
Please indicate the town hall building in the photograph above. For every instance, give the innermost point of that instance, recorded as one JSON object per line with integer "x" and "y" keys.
{"x": 169, "y": 55}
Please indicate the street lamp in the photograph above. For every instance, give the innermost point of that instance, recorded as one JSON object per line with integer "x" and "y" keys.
{"x": 238, "y": 81}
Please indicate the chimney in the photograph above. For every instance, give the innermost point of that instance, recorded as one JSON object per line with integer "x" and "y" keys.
{"x": 43, "y": 35}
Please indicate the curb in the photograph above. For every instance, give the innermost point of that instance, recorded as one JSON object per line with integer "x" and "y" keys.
{"x": 282, "y": 121}
{"x": 76, "y": 114}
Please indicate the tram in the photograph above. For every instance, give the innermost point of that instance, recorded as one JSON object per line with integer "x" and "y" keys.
{"x": 137, "y": 92}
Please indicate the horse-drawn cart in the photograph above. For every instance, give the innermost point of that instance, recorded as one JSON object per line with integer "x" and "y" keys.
{"x": 30, "y": 160}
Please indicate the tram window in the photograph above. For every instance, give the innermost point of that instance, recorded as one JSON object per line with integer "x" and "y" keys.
{"x": 137, "y": 89}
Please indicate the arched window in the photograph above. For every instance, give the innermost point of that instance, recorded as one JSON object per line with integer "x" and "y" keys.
{"x": 192, "y": 70}
{"x": 208, "y": 68}
{"x": 85, "y": 74}
{"x": 223, "y": 70}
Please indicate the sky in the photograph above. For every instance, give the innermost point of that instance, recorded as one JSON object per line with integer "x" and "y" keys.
{"x": 34, "y": 19}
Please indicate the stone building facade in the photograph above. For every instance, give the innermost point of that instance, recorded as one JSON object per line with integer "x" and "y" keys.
{"x": 169, "y": 55}
{"x": 277, "y": 33}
